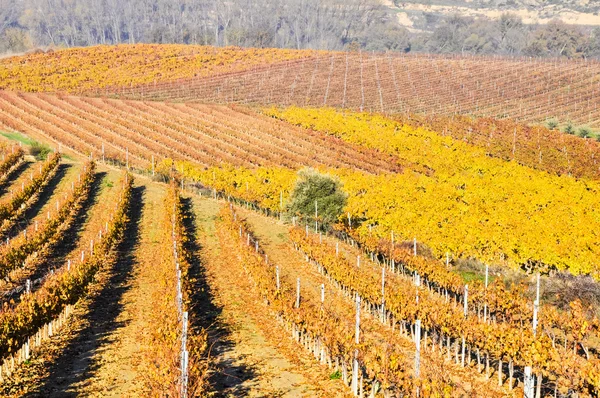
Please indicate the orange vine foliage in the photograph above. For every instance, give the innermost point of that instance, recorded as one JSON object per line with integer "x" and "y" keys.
{"x": 13, "y": 254}
{"x": 66, "y": 286}
{"x": 391, "y": 362}
{"x": 504, "y": 340}
{"x": 86, "y": 69}
{"x": 163, "y": 375}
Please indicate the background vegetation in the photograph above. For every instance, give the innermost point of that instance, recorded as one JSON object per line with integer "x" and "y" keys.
{"x": 300, "y": 24}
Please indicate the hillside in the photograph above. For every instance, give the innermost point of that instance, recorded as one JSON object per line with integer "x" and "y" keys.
{"x": 425, "y": 15}
{"x": 527, "y": 90}
{"x": 197, "y": 221}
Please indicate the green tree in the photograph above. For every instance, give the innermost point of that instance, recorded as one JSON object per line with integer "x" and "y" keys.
{"x": 569, "y": 129}
{"x": 584, "y": 132}
{"x": 324, "y": 190}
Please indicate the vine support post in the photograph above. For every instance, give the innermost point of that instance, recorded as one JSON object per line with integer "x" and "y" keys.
{"x": 463, "y": 351}
{"x": 392, "y": 247}
{"x": 528, "y": 383}
{"x": 536, "y": 305}
{"x": 466, "y": 303}
{"x": 298, "y": 293}
{"x": 316, "y": 217}
{"x": 418, "y": 348}
{"x": 357, "y": 341}
{"x": 277, "y": 277}
{"x": 417, "y": 284}
{"x": 382, "y": 294}
{"x": 487, "y": 271}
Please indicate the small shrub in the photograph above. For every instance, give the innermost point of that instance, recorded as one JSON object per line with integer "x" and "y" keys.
{"x": 39, "y": 150}
{"x": 584, "y": 132}
{"x": 552, "y": 124}
{"x": 569, "y": 129}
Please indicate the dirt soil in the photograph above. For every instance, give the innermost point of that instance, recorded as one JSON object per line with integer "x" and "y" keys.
{"x": 252, "y": 354}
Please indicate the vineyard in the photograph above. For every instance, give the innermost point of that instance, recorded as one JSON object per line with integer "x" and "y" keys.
{"x": 150, "y": 244}
{"x": 527, "y": 90}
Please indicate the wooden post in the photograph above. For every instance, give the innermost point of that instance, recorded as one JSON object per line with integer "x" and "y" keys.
{"x": 316, "y": 217}
{"x": 298, "y": 293}
{"x": 382, "y": 294}
{"x": 417, "y": 348}
{"x": 417, "y": 284}
{"x": 466, "y": 304}
{"x": 487, "y": 267}
{"x": 528, "y": 383}
{"x": 357, "y": 341}
{"x": 463, "y": 351}
{"x": 358, "y": 261}
{"x": 277, "y": 277}
{"x": 357, "y": 326}
{"x": 536, "y": 306}
{"x": 322, "y": 293}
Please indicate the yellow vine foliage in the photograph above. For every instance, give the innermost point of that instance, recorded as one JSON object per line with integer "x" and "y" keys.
{"x": 79, "y": 70}
{"x": 455, "y": 198}
{"x": 451, "y": 196}
{"x": 262, "y": 186}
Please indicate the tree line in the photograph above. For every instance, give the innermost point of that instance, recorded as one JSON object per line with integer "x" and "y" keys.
{"x": 300, "y": 24}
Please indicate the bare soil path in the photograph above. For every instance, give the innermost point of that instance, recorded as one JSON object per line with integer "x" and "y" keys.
{"x": 252, "y": 354}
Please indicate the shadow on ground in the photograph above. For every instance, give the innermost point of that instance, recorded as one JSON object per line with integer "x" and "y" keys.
{"x": 40, "y": 201}
{"x": 67, "y": 243}
{"x": 76, "y": 363}
{"x": 14, "y": 174}
{"x": 226, "y": 378}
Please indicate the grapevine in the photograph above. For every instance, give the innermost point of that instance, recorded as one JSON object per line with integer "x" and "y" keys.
{"x": 65, "y": 287}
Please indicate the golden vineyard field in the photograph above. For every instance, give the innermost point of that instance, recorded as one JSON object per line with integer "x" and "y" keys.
{"x": 88, "y": 69}
{"x": 108, "y": 150}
